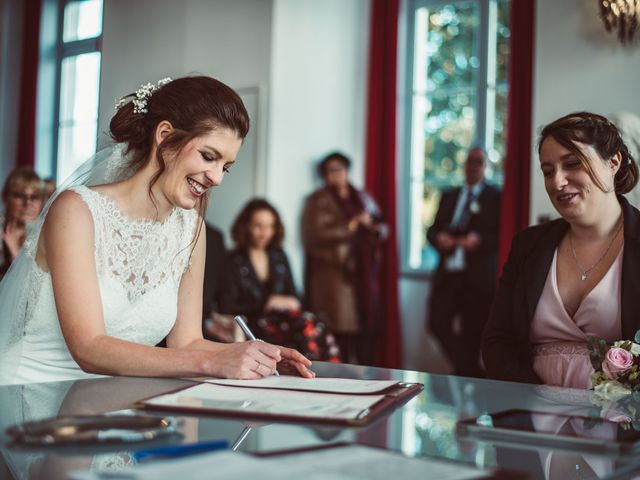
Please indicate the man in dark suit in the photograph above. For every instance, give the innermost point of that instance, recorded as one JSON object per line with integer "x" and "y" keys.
{"x": 465, "y": 234}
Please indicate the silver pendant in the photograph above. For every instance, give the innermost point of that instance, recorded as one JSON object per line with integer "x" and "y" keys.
{"x": 583, "y": 276}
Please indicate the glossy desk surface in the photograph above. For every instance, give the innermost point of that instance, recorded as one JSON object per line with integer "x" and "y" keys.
{"x": 423, "y": 426}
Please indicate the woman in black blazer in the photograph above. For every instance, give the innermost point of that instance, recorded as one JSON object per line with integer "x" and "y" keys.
{"x": 575, "y": 276}
{"x": 260, "y": 285}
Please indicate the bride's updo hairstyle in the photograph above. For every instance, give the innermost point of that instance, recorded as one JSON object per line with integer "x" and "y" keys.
{"x": 598, "y": 132}
{"x": 193, "y": 105}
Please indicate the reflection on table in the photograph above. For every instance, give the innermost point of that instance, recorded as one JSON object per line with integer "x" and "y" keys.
{"x": 424, "y": 426}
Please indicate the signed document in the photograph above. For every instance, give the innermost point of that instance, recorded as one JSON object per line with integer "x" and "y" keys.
{"x": 327, "y": 385}
{"x": 207, "y": 396}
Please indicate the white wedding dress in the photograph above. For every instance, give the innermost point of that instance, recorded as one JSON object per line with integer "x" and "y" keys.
{"x": 139, "y": 266}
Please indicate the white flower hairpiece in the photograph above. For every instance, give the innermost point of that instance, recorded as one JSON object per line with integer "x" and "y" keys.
{"x": 142, "y": 96}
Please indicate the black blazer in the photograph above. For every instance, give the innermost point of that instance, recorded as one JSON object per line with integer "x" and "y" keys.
{"x": 506, "y": 349}
{"x": 481, "y": 264}
{"x": 244, "y": 293}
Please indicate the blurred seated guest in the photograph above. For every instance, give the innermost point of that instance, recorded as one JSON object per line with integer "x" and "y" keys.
{"x": 22, "y": 196}
{"x": 259, "y": 285}
{"x": 576, "y": 276}
{"x": 342, "y": 231}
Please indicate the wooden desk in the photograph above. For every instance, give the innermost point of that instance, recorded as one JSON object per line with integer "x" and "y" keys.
{"x": 424, "y": 426}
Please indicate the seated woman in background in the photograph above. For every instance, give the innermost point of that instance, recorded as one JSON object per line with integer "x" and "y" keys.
{"x": 574, "y": 277}
{"x": 23, "y": 197}
{"x": 260, "y": 285}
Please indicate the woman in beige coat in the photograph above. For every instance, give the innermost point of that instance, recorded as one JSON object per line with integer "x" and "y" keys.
{"x": 342, "y": 231}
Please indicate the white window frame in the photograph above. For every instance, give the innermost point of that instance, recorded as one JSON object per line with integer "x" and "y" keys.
{"x": 412, "y": 169}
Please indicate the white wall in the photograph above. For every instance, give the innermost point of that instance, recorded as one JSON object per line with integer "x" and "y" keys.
{"x": 317, "y": 99}
{"x": 578, "y": 66}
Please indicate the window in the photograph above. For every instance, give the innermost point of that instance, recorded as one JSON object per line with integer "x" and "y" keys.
{"x": 72, "y": 105}
{"x": 457, "y": 98}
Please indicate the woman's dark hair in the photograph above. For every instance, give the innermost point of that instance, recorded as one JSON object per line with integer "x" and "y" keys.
{"x": 598, "y": 132}
{"x": 21, "y": 178}
{"x": 240, "y": 228}
{"x": 324, "y": 163}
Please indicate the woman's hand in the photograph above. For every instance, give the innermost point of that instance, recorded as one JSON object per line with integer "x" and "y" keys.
{"x": 282, "y": 303}
{"x": 294, "y": 363}
{"x": 256, "y": 359}
{"x": 244, "y": 360}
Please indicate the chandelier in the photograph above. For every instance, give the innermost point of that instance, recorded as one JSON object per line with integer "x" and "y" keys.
{"x": 621, "y": 15}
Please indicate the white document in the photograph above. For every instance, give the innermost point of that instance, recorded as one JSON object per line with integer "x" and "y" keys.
{"x": 345, "y": 463}
{"x": 330, "y": 385}
{"x": 273, "y": 402}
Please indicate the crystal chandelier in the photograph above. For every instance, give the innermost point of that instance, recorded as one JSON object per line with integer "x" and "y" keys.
{"x": 621, "y": 15}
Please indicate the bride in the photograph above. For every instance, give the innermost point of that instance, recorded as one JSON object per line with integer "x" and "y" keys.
{"x": 116, "y": 262}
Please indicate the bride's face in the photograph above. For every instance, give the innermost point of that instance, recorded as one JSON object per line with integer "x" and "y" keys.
{"x": 200, "y": 165}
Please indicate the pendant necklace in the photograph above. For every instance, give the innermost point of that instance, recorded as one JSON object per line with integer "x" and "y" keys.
{"x": 584, "y": 272}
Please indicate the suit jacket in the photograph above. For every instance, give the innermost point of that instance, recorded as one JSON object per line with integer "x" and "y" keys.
{"x": 506, "y": 348}
{"x": 244, "y": 293}
{"x": 481, "y": 263}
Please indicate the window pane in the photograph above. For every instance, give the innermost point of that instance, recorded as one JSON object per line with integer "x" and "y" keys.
{"x": 79, "y": 88}
{"x": 445, "y": 106}
{"x": 497, "y": 153}
{"x": 450, "y": 46}
{"x": 449, "y": 130}
{"x": 82, "y": 19}
{"x": 76, "y": 143}
{"x": 502, "y": 44}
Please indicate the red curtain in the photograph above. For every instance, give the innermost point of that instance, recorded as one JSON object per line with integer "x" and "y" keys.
{"x": 381, "y": 159}
{"x": 517, "y": 168}
{"x": 26, "y": 154}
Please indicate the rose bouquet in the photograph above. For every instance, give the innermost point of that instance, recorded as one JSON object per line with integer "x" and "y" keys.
{"x": 616, "y": 382}
{"x": 617, "y": 366}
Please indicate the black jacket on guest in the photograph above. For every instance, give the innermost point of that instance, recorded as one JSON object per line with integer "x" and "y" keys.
{"x": 244, "y": 293}
{"x": 506, "y": 348}
{"x": 481, "y": 263}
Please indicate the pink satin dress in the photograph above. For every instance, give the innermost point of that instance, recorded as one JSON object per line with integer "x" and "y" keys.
{"x": 561, "y": 356}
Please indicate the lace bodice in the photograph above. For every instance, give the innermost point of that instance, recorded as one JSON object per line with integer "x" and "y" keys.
{"x": 139, "y": 266}
{"x": 139, "y": 254}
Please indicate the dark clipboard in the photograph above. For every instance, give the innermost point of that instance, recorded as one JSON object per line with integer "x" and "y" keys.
{"x": 393, "y": 397}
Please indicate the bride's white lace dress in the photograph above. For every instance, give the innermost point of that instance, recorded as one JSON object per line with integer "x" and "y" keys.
{"x": 139, "y": 266}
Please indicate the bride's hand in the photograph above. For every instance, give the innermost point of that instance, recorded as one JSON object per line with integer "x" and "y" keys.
{"x": 244, "y": 360}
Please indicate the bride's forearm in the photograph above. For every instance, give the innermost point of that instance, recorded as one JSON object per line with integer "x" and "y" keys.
{"x": 112, "y": 356}
{"x": 204, "y": 344}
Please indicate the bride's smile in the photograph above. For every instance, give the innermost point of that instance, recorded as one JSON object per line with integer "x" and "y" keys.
{"x": 200, "y": 165}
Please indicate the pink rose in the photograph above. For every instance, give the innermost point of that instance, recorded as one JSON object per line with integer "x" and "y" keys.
{"x": 617, "y": 362}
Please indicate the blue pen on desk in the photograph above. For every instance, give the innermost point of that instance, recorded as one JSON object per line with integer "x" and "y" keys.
{"x": 175, "y": 451}
{"x": 248, "y": 333}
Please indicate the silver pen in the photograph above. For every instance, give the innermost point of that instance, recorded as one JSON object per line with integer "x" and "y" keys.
{"x": 241, "y": 323}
